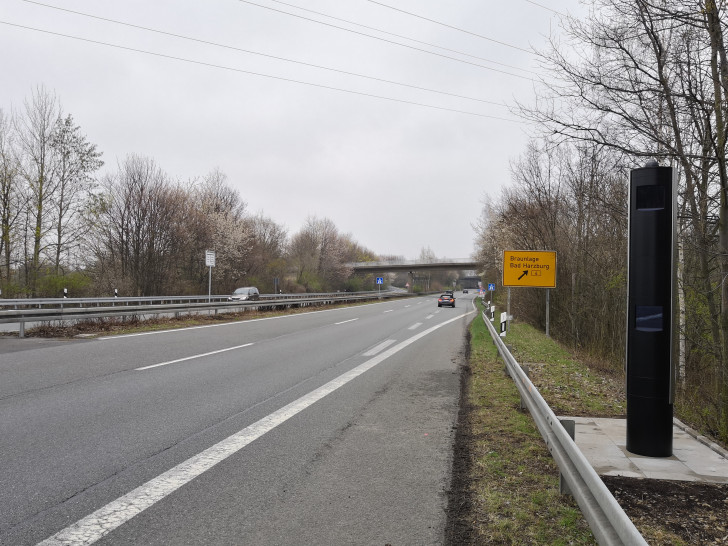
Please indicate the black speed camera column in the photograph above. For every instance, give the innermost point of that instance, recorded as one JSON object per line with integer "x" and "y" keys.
{"x": 650, "y": 299}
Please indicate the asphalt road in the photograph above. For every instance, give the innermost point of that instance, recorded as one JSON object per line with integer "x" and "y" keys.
{"x": 329, "y": 427}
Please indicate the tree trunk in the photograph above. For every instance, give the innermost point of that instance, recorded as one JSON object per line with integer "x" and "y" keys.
{"x": 720, "y": 80}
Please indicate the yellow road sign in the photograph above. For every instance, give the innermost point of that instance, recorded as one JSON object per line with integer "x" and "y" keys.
{"x": 535, "y": 268}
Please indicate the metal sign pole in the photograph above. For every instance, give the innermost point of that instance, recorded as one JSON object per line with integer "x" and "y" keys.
{"x": 548, "y": 299}
{"x": 210, "y": 262}
{"x": 508, "y": 309}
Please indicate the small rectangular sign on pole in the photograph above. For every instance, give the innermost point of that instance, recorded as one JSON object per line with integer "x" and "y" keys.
{"x": 209, "y": 262}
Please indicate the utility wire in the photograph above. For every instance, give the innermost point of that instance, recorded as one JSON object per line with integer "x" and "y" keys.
{"x": 389, "y": 41}
{"x": 261, "y": 54}
{"x": 545, "y": 7}
{"x": 451, "y": 26}
{"x": 404, "y": 37}
{"x": 241, "y": 71}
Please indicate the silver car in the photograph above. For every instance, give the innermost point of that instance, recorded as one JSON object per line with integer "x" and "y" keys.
{"x": 245, "y": 293}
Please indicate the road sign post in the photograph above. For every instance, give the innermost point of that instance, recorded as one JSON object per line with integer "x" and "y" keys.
{"x": 209, "y": 262}
{"x": 380, "y": 282}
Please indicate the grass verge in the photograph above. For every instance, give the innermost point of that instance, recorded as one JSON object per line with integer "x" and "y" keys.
{"x": 505, "y": 483}
{"x": 506, "y": 479}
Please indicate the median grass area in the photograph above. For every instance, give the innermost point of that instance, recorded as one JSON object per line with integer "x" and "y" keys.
{"x": 505, "y": 482}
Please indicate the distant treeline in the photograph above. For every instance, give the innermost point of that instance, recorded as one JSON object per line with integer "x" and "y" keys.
{"x": 140, "y": 232}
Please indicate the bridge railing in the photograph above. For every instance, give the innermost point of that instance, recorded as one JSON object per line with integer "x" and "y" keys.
{"x": 439, "y": 261}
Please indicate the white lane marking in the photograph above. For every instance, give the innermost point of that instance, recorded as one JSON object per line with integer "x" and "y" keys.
{"x": 415, "y": 325}
{"x": 345, "y": 321}
{"x": 406, "y": 306}
{"x": 388, "y": 311}
{"x": 428, "y": 317}
{"x": 379, "y": 348}
{"x": 107, "y": 518}
{"x": 193, "y": 357}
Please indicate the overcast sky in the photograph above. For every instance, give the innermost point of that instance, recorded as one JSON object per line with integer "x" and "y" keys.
{"x": 395, "y": 175}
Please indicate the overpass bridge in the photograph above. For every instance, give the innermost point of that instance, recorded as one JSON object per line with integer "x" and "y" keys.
{"x": 445, "y": 264}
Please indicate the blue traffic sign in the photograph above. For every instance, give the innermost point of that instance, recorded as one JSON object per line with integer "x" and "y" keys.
{"x": 380, "y": 280}
{"x": 491, "y": 286}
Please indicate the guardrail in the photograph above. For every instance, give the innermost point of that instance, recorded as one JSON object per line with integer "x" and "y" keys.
{"x": 22, "y": 311}
{"x": 606, "y": 518}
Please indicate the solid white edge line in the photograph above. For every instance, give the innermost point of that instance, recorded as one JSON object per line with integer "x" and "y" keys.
{"x": 107, "y": 518}
{"x": 193, "y": 357}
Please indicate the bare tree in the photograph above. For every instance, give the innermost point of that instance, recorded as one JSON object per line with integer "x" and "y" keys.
{"x": 35, "y": 133}
{"x": 318, "y": 253}
{"x": 570, "y": 200}
{"x": 10, "y": 196}
{"x": 76, "y": 160}
{"x": 267, "y": 257}
{"x": 140, "y": 225}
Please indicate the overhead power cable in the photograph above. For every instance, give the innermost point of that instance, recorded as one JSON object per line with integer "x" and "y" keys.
{"x": 260, "y": 74}
{"x": 206, "y": 42}
{"x": 546, "y": 8}
{"x": 404, "y": 37}
{"x": 389, "y": 41}
{"x": 452, "y": 27}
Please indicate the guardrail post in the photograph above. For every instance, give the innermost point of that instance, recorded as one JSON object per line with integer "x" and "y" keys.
{"x": 570, "y": 427}
{"x": 505, "y": 364}
{"x": 21, "y": 329}
{"x": 525, "y": 369}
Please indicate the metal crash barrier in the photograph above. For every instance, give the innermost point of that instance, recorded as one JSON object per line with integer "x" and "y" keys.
{"x": 605, "y": 516}
{"x": 23, "y": 311}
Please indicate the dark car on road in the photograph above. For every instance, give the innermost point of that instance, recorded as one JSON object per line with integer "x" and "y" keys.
{"x": 244, "y": 294}
{"x": 446, "y": 299}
